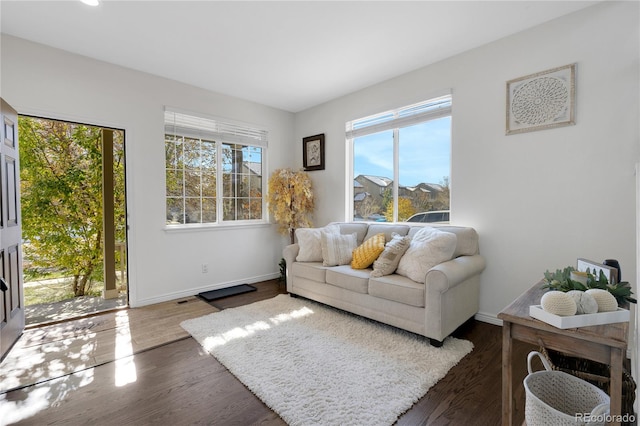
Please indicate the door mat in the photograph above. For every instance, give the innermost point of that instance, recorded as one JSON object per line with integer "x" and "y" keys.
{"x": 226, "y": 292}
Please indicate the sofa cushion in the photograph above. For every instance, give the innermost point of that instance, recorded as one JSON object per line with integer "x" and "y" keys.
{"x": 310, "y": 270}
{"x": 467, "y": 244}
{"x": 360, "y": 228}
{"x": 399, "y": 289}
{"x": 428, "y": 248}
{"x": 337, "y": 248}
{"x": 389, "y": 259}
{"x": 387, "y": 229}
{"x": 309, "y": 242}
{"x": 367, "y": 252}
{"x": 348, "y": 278}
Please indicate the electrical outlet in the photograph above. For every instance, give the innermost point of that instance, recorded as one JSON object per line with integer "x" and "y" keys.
{"x": 205, "y": 268}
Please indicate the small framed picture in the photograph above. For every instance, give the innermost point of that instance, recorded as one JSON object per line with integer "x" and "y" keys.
{"x": 313, "y": 152}
{"x": 594, "y": 269}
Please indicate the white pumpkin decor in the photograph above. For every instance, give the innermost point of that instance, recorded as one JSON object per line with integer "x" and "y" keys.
{"x": 605, "y": 300}
{"x": 585, "y": 303}
{"x": 558, "y": 303}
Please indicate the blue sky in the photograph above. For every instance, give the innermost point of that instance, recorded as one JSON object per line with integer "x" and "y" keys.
{"x": 425, "y": 153}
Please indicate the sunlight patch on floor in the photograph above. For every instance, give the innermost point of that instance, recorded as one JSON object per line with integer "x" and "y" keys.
{"x": 299, "y": 313}
{"x": 50, "y": 361}
{"x": 41, "y": 397}
{"x": 125, "y": 365}
{"x": 249, "y": 330}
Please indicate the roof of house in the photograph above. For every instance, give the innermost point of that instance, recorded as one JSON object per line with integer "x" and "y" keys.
{"x": 360, "y": 196}
{"x": 378, "y": 180}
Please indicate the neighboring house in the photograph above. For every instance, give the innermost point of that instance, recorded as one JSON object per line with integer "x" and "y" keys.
{"x": 369, "y": 195}
{"x": 374, "y": 187}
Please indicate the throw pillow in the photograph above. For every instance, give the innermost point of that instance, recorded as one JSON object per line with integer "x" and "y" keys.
{"x": 388, "y": 261}
{"x": 428, "y": 248}
{"x": 309, "y": 242}
{"x": 337, "y": 249}
{"x": 367, "y": 252}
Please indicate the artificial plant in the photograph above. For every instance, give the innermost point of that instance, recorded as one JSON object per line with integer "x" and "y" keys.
{"x": 561, "y": 280}
{"x": 290, "y": 200}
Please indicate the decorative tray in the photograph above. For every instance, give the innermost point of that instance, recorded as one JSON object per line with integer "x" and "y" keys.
{"x": 584, "y": 320}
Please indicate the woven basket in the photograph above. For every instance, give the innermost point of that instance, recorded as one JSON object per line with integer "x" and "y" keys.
{"x": 596, "y": 373}
{"x": 559, "y": 399}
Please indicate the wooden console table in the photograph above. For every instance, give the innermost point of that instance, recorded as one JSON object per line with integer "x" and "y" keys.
{"x": 606, "y": 344}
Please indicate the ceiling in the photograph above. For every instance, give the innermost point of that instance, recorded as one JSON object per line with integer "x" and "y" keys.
{"x": 291, "y": 55}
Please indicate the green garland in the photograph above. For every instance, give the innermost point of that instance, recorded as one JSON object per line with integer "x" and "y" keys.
{"x": 561, "y": 280}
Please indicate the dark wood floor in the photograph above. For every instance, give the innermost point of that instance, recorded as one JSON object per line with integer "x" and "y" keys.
{"x": 180, "y": 384}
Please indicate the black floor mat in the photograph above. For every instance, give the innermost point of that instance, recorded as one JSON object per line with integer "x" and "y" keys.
{"x": 226, "y": 292}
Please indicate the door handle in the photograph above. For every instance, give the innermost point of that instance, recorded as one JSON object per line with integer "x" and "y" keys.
{"x": 3, "y": 284}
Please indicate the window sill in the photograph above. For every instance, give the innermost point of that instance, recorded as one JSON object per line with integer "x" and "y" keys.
{"x": 200, "y": 227}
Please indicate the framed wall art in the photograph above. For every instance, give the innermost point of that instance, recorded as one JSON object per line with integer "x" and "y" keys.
{"x": 313, "y": 152}
{"x": 541, "y": 101}
{"x": 595, "y": 268}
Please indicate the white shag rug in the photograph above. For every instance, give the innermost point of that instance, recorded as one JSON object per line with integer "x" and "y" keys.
{"x": 315, "y": 365}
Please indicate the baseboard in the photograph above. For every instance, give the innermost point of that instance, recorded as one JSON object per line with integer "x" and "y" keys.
{"x": 193, "y": 291}
{"x": 488, "y": 318}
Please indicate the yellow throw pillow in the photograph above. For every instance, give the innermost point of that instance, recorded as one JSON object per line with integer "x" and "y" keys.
{"x": 368, "y": 252}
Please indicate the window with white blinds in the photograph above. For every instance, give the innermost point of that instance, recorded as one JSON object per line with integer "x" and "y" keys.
{"x": 214, "y": 170}
{"x": 401, "y": 163}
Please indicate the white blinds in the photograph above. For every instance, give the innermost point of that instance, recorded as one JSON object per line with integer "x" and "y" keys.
{"x": 402, "y": 117}
{"x": 177, "y": 123}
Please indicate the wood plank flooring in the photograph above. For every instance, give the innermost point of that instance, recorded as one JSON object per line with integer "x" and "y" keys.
{"x": 179, "y": 384}
{"x": 55, "y": 350}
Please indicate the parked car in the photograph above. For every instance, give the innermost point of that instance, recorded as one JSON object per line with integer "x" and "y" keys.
{"x": 430, "y": 217}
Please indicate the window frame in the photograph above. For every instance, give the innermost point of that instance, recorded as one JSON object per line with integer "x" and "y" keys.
{"x": 223, "y": 133}
{"x": 435, "y": 107}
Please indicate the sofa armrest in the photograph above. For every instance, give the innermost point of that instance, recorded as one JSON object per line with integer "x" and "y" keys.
{"x": 449, "y": 274}
{"x": 290, "y": 253}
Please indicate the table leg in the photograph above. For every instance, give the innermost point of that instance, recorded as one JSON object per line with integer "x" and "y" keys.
{"x": 615, "y": 388}
{"x": 507, "y": 375}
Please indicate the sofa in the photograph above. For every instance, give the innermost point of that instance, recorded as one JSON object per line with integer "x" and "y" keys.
{"x": 432, "y": 300}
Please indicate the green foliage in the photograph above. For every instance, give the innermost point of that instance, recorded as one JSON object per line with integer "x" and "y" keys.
{"x": 61, "y": 184}
{"x": 561, "y": 280}
{"x": 283, "y": 270}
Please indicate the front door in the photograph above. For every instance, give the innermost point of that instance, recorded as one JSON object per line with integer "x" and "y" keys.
{"x": 11, "y": 285}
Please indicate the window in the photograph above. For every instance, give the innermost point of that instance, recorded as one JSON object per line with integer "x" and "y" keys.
{"x": 213, "y": 170}
{"x": 401, "y": 162}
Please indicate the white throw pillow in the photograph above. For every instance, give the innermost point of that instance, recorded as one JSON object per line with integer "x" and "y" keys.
{"x": 428, "y": 248}
{"x": 309, "y": 242}
{"x": 337, "y": 249}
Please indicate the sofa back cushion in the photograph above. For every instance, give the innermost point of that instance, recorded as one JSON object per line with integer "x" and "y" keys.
{"x": 386, "y": 229}
{"x": 467, "y": 244}
{"x": 360, "y": 228}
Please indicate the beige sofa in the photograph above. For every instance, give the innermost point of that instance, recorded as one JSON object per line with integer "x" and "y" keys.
{"x": 448, "y": 297}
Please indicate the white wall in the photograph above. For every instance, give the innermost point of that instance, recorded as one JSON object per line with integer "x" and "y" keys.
{"x": 539, "y": 200}
{"x": 163, "y": 264}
